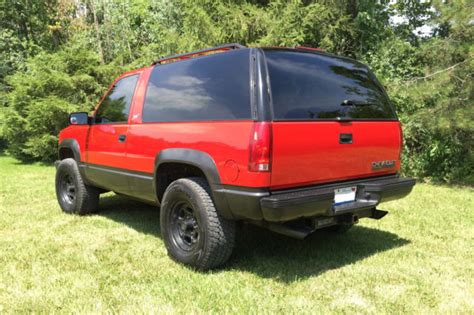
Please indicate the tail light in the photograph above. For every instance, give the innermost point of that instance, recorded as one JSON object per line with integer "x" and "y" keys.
{"x": 401, "y": 141}
{"x": 260, "y": 147}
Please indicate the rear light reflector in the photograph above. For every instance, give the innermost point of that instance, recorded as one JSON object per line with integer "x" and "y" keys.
{"x": 401, "y": 141}
{"x": 260, "y": 147}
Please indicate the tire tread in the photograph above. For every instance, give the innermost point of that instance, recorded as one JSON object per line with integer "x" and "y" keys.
{"x": 220, "y": 232}
{"x": 87, "y": 197}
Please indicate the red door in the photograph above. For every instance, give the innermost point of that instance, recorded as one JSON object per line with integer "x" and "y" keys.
{"x": 107, "y": 141}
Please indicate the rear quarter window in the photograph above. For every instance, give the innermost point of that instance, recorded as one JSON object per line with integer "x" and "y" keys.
{"x": 308, "y": 86}
{"x": 215, "y": 87}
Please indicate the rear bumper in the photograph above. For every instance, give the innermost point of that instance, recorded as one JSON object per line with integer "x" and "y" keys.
{"x": 287, "y": 205}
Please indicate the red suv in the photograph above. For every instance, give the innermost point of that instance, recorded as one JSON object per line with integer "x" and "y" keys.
{"x": 292, "y": 139}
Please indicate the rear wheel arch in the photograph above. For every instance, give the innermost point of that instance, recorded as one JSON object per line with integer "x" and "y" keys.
{"x": 167, "y": 172}
{"x": 172, "y": 164}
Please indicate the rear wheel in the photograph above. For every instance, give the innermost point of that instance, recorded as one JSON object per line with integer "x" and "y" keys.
{"x": 73, "y": 195}
{"x": 193, "y": 232}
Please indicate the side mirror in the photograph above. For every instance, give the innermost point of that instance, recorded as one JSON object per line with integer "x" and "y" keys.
{"x": 80, "y": 118}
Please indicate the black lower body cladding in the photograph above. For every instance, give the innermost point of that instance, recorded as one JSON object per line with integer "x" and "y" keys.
{"x": 287, "y": 205}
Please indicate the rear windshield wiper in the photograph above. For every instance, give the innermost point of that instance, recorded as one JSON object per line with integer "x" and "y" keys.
{"x": 355, "y": 103}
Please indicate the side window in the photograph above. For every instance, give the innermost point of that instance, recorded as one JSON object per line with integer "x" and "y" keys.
{"x": 215, "y": 87}
{"x": 116, "y": 105}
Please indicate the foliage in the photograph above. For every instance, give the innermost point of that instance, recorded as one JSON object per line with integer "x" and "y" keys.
{"x": 53, "y": 86}
{"x": 66, "y": 53}
{"x": 430, "y": 82}
{"x": 3, "y": 140}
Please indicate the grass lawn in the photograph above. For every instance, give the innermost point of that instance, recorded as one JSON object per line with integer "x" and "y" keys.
{"x": 418, "y": 259}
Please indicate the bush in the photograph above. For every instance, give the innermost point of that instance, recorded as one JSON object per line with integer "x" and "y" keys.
{"x": 438, "y": 154}
{"x": 3, "y": 140}
{"x": 38, "y": 135}
{"x": 41, "y": 98}
{"x": 438, "y": 132}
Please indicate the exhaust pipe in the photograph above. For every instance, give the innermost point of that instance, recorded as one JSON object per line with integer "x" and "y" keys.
{"x": 298, "y": 232}
{"x": 301, "y": 231}
{"x": 378, "y": 214}
{"x": 291, "y": 230}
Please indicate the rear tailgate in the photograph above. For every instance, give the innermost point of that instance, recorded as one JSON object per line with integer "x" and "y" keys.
{"x": 332, "y": 120}
{"x": 307, "y": 153}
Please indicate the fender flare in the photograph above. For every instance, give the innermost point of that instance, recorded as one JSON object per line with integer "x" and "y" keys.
{"x": 73, "y": 145}
{"x": 205, "y": 163}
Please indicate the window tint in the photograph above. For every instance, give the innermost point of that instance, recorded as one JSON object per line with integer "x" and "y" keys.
{"x": 316, "y": 86}
{"x": 215, "y": 87}
{"x": 116, "y": 105}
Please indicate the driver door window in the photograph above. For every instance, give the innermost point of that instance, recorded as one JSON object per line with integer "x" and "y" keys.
{"x": 115, "y": 107}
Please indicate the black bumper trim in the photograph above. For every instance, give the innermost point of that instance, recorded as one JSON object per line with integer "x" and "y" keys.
{"x": 287, "y": 205}
{"x": 319, "y": 200}
{"x": 243, "y": 203}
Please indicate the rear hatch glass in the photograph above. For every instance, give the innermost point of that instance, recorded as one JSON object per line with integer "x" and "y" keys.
{"x": 308, "y": 86}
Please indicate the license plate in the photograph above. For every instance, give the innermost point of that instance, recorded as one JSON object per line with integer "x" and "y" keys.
{"x": 344, "y": 195}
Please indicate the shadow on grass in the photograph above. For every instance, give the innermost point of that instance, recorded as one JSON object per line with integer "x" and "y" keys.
{"x": 267, "y": 254}
{"x": 139, "y": 216}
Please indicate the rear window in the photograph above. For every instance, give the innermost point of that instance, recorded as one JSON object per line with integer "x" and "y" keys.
{"x": 309, "y": 86}
{"x": 215, "y": 87}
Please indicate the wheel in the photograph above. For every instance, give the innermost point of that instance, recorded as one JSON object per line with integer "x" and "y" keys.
{"x": 339, "y": 228}
{"x": 193, "y": 232}
{"x": 73, "y": 195}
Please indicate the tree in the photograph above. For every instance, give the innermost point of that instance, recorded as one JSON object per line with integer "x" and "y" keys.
{"x": 60, "y": 55}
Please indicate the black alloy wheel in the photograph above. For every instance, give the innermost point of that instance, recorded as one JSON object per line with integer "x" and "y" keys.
{"x": 67, "y": 190}
{"x": 185, "y": 228}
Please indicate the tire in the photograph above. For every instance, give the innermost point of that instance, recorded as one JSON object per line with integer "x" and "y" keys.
{"x": 339, "y": 228}
{"x": 73, "y": 195}
{"x": 193, "y": 231}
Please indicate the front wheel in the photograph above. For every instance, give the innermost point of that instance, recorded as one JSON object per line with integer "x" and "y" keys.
{"x": 193, "y": 231}
{"x": 73, "y": 195}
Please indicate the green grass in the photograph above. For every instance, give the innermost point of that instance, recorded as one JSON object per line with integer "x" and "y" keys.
{"x": 418, "y": 259}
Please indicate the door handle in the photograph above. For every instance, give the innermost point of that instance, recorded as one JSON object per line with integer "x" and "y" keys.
{"x": 121, "y": 138}
{"x": 345, "y": 138}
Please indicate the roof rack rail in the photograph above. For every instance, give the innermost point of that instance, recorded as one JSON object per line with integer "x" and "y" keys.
{"x": 309, "y": 48}
{"x": 197, "y": 53}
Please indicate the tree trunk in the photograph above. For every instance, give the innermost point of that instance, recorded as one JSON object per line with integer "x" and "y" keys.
{"x": 97, "y": 33}
{"x": 353, "y": 8}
